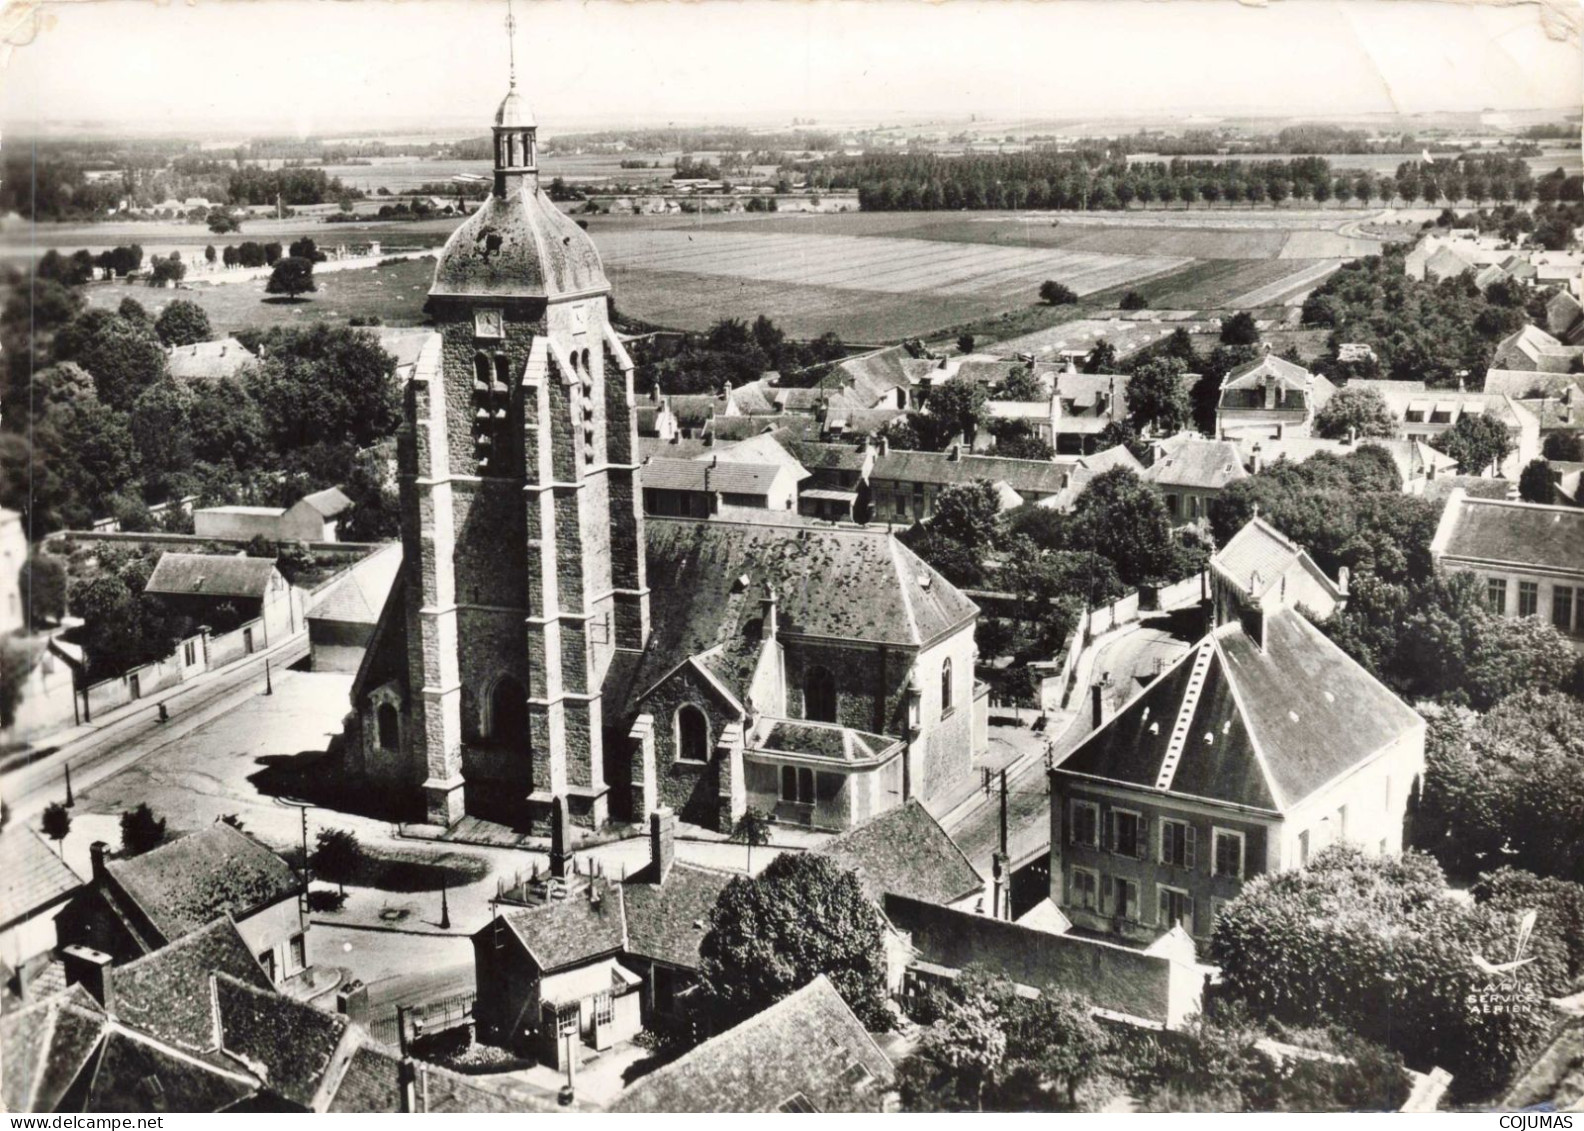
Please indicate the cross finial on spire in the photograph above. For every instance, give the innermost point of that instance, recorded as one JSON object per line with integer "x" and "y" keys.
{"x": 511, "y": 42}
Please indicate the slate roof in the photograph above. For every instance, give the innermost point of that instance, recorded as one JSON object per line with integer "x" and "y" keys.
{"x": 693, "y": 410}
{"x": 521, "y": 245}
{"x": 1251, "y": 374}
{"x": 166, "y": 993}
{"x": 211, "y": 575}
{"x": 1547, "y": 539}
{"x": 807, "y": 1052}
{"x": 371, "y": 1084}
{"x": 1414, "y": 458}
{"x": 667, "y": 922}
{"x": 136, "y": 1074}
{"x": 209, "y": 361}
{"x": 872, "y": 376}
{"x": 44, "y": 1046}
{"x": 848, "y": 583}
{"x": 829, "y": 457}
{"x": 1257, "y": 556}
{"x": 704, "y": 474}
{"x": 752, "y": 399}
{"x": 33, "y": 877}
{"x": 329, "y": 502}
{"x": 291, "y": 1043}
{"x": 1414, "y": 398}
{"x": 906, "y": 852}
{"x": 1439, "y": 490}
{"x": 1025, "y": 476}
{"x": 761, "y": 448}
{"x": 568, "y": 932}
{"x": 862, "y": 421}
{"x": 360, "y": 595}
{"x": 1269, "y": 727}
{"x": 186, "y": 883}
{"x": 1190, "y": 462}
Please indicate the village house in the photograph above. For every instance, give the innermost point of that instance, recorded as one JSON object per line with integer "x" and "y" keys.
{"x": 838, "y": 482}
{"x": 883, "y": 378}
{"x": 1084, "y": 471}
{"x": 210, "y": 361}
{"x": 135, "y": 906}
{"x": 1417, "y": 463}
{"x": 906, "y": 483}
{"x": 1530, "y": 557}
{"x": 1565, "y": 319}
{"x": 1533, "y": 349}
{"x": 806, "y": 1053}
{"x": 1263, "y": 745}
{"x": 198, "y": 585}
{"x": 711, "y": 487}
{"x": 1272, "y": 396}
{"x": 35, "y": 885}
{"x": 572, "y": 953}
{"x": 312, "y": 518}
{"x": 1191, "y": 472}
{"x": 1423, "y": 414}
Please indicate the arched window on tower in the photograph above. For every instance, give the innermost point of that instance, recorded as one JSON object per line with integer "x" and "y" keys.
{"x": 692, "y": 734}
{"x": 389, "y": 727}
{"x": 819, "y": 696}
{"x": 481, "y": 369}
{"x": 503, "y": 369}
{"x": 946, "y": 687}
{"x": 508, "y": 707}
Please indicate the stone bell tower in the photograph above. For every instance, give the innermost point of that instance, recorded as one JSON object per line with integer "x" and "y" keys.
{"x": 521, "y": 518}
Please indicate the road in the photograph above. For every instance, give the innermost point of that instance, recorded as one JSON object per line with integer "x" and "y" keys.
{"x": 131, "y": 735}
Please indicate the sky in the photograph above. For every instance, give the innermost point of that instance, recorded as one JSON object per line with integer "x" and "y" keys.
{"x": 318, "y": 66}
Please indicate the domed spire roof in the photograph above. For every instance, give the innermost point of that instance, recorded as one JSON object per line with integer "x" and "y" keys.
{"x": 514, "y": 111}
{"x": 520, "y": 245}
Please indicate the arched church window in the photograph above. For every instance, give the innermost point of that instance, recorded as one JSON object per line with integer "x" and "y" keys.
{"x": 692, "y": 734}
{"x": 819, "y": 696}
{"x": 946, "y": 687}
{"x": 389, "y": 727}
{"x": 508, "y": 721}
{"x": 503, "y": 369}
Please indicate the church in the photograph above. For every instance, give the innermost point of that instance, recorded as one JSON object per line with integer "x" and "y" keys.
{"x": 549, "y": 651}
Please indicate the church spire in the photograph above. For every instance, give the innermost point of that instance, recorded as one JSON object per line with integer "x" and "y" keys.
{"x": 516, "y": 134}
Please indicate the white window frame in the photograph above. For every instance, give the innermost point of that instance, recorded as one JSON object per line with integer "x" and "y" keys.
{"x": 1190, "y": 858}
{"x": 1094, "y": 889}
{"x": 1216, "y": 833}
{"x": 1529, "y": 591}
{"x": 1093, "y": 807}
{"x": 676, "y": 725}
{"x": 1160, "y": 920}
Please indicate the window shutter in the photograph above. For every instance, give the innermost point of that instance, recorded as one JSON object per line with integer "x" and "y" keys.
{"x": 1141, "y": 848}
{"x": 1253, "y": 853}
{"x": 1107, "y": 898}
{"x": 1162, "y": 856}
{"x": 1162, "y": 908}
{"x": 1109, "y": 836}
{"x": 1188, "y": 850}
{"x": 1072, "y": 822}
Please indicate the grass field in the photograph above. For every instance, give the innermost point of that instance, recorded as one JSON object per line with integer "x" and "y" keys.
{"x": 395, "y": 294}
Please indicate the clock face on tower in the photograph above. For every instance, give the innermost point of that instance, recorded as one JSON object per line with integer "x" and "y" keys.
{"x": 488, "y": 323}
{"x": 580, "y": 319}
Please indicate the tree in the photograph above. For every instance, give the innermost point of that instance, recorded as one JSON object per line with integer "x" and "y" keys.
{"x": 1023, "y": 444}
{"x": 803, "y": 916}
{"x": 752, "y": 828}
{"x": 1240, "y": 330}
{"x": 141, "y": 831}
{"x": 56, "y": 824}
{"x": 1505, "y": 788}
{"x": 1124, "y": 519}
{"x": 292, "y": 276}
{"x": 1535, "y": 484}
{"x": 336, "y": 856}
{"x": 1565, "y": 446}
{"x": 1157, "y": 398}
{"x": 160, "y": 425}
{"x": 124, "y": 356}
{"x": 1102, "y": 358}
{"x": 17, "y": 659}
{"x": 167, "y": 271}
{"x": 968, "y": 514}
{"x": 134, "y": 311}
{"x": 1022, "y": 385}
{"x": 965, "y": 343}
{"x": 1477, "y": 442}
{"x": 222, "y": 222}
{"x": 1133, "y": 301}
{"x": 1355, "y": 412}
{"x": 959, "y": 406}
{"x": 1376, "y": 945}
{"x": 305, "y": 248}
{"x": 226, "y": 424}
{"x": 183, "y": 323}
{"x": 325, "y": 385}
{"x": 1053, "y": 293}
{"x": 209, "y": 255}
{"x": 43, "y": 581}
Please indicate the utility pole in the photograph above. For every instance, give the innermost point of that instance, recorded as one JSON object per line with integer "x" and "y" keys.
{"x": 269, "y": 688}
{"x": 69, "y": 800}
{"x": 302, "y": 903}
{"x": 445, "y": 909}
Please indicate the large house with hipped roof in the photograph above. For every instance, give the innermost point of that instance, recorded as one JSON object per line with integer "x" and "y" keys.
{"x": 1272, "y": 396}
{"x": 1263, "y": 745}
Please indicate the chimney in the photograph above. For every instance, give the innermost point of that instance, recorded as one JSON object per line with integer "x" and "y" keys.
{"x": 1270, "y": 391}
{"x": 1097, "y": 703}
{"x": 662, "y": 842}
{"x": 1344, "y": 575}
{"x": 88, "y": 968}
{"x": 352, "y": 1001}
{"x": 955, "y": 453}
{"x": 767, "y": 608}
{"x": 885, "y": 445}
{"x": 1258, "y": 460}
{"x": 96, "y": 856}
{"x": 1352, "y": 437}
{"x": 1460, "y": 383}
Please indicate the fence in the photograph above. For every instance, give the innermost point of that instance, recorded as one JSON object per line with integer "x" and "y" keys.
{"x": 132, "y": 685}
{"x": 1178, "y": 595}
{"x": 113, "y": 525}
{"x": 428, "y": 1019}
